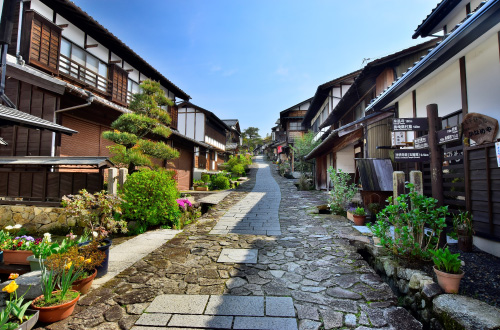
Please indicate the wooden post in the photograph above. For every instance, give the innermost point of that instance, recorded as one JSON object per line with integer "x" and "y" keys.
{"x": 112, "y": 184}
{"x": 122, "y": 176}
{"x": 436, "y": 154}
{"x": 436, "y": 161}
{"x": 398, "y": 184}
{"x": 416, "y": 179}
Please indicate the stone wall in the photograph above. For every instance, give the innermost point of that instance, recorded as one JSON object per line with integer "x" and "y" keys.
{"x": 35, "y": 219}
{"x": 424, "y": 299}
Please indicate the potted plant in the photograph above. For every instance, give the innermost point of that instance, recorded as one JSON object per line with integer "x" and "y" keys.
{"x": 463, "y": 230}
{"x": 55, "y": 305}
{"x": 447, "y": 269}
{"x": 200, "y": 185}
{"x": 98, "y": 213}
{"x": 17, "y": 249}
{"x": 359, "y": 216}
{"x": 16, "y": 315}
{"x": 85, "y": 260}
{"x": 374, "y": 209}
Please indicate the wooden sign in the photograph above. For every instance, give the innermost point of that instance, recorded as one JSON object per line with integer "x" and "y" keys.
{"x": 409, "y": 124}
{"x": 411, "y": 155}
{"x": 398, "y": 139}
{"x": 448, "y": 135}
{"x": 479, "y": 128}
{"x": 421, "y": 142}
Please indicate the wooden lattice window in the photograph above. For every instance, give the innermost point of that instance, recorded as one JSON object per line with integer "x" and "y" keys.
{"x": 119, "y": 78}
{"x": 41, "y": 41}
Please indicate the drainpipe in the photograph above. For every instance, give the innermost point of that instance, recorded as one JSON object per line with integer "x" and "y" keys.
{"x": 19, "y": 31}
{"x": 90, "y": 99}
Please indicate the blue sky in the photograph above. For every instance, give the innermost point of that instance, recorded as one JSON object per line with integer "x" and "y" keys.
{"x": 252, "y": 59}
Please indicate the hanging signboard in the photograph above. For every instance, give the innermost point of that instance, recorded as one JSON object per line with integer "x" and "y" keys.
{"x": 448, "y": 135}
{"x": 398, "y": 139}
{"x": 411, "y": 155}
{"x": 409, "y": 124}
{"x": 479, "y": 128}
{"x": 421, "y": 142}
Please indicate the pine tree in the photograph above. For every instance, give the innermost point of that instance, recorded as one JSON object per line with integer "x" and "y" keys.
{"x": 138, "y": 134}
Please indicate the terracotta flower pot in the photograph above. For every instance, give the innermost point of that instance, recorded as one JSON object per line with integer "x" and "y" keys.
{"x": 53, "y": 314}
{"x": 83, "y": 285}
{"x": 16, "y": 257}
{"x": 448, "y": 282}
{"x": 359, "y": 220}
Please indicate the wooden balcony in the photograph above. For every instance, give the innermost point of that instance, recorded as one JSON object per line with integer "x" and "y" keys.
{"x": 84, "y": 76}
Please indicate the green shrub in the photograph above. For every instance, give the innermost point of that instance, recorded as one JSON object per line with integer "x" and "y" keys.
{"x": 150, "y": 199}
{"x": 219, "y": 182}
{"x": 342, "y": 192}
{"x": 238, "y": 169}
{"x": 446, "y": 261}
{"x": 240, "y": 159}
{"x": 409, "y": 215}
{"x": 205, "y": 178}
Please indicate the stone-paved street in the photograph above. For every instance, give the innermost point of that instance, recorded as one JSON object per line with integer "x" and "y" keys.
{"x": 312, "y": 262}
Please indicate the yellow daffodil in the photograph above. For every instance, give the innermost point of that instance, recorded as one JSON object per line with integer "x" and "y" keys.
{"x": 13, "y": 276}
{"x": 88, "y": 261}
{"x": 68, "y": 266}
{"x": 81, "y": 259}
{"x": 11, "y": 287}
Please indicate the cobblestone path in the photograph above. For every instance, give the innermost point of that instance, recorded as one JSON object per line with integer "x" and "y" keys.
{"x": 257, "y": 213}
{"x": 311, "y": 269}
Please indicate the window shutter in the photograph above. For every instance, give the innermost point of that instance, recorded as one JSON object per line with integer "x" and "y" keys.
{"x": 41, "y": 42}
{"x": 118, "y": 78}
{"x": 173, "y": 112}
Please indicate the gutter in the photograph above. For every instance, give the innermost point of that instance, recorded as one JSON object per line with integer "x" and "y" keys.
{"x": 432, "y": 56}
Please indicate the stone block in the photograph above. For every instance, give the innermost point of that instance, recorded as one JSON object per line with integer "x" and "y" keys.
{"x": 201, "y": 321}
{"x": 279, "y": 306}
{"x": 154, "y": 319}
{"x": 170, "y": 303}
{"x": 235, "y": 305}
{"x": 429, "y": 291}
{"x": 415, "y": 279}
{"x": 250, "y": 323}
{"x": 29, "y": 283}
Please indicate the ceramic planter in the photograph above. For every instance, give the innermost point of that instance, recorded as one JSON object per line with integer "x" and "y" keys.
{"x": 27, "y": 325}
{"x": 53, "y": 314}
{"x": 16, "y": 257}
{"x": 359, "y": 220}
{"x": 448, "y": 282}
{"x": 83, "y": 285}
{"x": 103, "y": 268}
{"x": 1, "y": 256}
{"x": 34, "y": 262}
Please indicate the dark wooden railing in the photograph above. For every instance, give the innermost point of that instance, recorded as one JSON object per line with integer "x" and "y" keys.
{"x": 73, "y": 70}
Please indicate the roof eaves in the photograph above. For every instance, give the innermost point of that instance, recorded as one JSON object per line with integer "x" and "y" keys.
{"x": 436, "y": 14}
{"x": 389, "y": 93}
{"x": 296, "y": 105}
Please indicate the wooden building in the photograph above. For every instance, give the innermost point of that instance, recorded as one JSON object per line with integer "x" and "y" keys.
{"x": 350, "y": 132}
{"x": 461, "y": 76}
{"x": 233, "y": 136}
{"x": 65, "y": 67}
{"x": 204, "y": 126}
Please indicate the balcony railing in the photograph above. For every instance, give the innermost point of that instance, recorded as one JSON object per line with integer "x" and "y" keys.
{"x": 74, "y": 70}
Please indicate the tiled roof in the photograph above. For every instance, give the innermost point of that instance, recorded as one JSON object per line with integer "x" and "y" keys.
{"x": 9, "y": 116}
{"x": 230, "y": 122}
{"x": 454, "y": 35}
{"x": 436, "y": 15}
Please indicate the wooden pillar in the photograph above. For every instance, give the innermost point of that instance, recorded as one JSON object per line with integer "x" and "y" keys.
{"x": 416, "y": 179}
{"x": 398, "y": 184}
{"x": 112, "y": 184}
{"x": 436, "y": 154}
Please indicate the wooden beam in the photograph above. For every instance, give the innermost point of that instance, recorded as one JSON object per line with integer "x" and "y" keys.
{"x": 465, "y": 110}
{"x": 63, "y": 26}
{"x": 129, "y": 70}
{"x": 91, "y": 46}
{"x": 115, "y": 61}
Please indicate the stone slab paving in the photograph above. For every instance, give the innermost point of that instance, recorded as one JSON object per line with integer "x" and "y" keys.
{"x": 214, "y": 198}
{"x": 312, "y": 263}
{"x": 239, "y": 256}
{"x": 129, "y": 252}
{"x": 257, "y": 213}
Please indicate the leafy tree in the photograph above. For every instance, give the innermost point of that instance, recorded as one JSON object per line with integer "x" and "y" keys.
{"x": 303, "y": 146}
{"x": 251, "y": 137}
{"x": 132, "y": 131}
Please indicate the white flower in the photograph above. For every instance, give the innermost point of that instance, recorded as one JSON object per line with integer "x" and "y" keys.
{"x": 9, "y": 227}
{"x": 47, "y": 237}
{"x": 18, "y": 226}
{"x": 94, "y": 233}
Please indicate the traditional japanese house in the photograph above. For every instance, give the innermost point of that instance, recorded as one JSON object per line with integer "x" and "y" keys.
{"x": 204, "y": 126}
{"x": 233, "y": 136}
{"x": 460, "y": 76}
{"x": 350, "y": 132}
{"x": 65, "y": 67}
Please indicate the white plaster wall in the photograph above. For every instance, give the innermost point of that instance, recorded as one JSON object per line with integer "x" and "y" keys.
{"x": 457, "y": 17}
{"x": 100, "y": 51}
{"x": 181, "y": 122}
{"x": 345, "y": 159}
{"x": 115, "y": 57}
{"x": 190, "y": 129}
{"x": 405, "y": 106}
{"x": 72, "y": 33}
{"x": 42, "y": 9}
{"x": 443, "y": 89}
{"x": 200, "y": 126}
{"x": 483, "y": 78}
